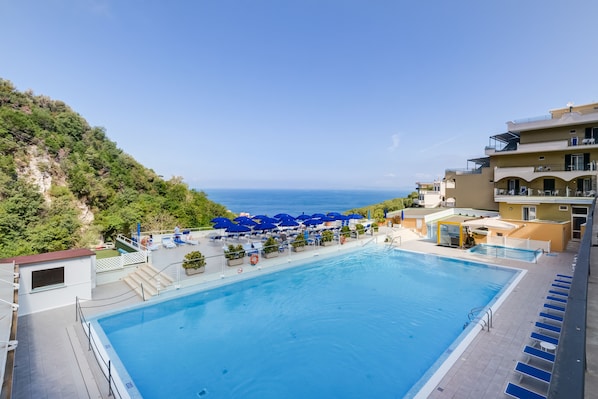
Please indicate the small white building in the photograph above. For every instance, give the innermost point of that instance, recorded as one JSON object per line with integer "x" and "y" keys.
{"x": 54, "y": 279}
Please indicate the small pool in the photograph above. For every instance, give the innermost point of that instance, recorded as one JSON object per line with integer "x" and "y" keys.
{"x": 496, "y": 251}
{"x": 372, "y": 323}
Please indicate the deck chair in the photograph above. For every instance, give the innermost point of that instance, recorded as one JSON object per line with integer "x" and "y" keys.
{"x": 533, "y": 372}
{"x": 565, "y": 276}
{"x": 561, "y": 281}
{"x": 168, "y": 243}
{"x": 554, "y": 307}
{"x": 565, "y": 287}
{"x": 556, "y": 299}
{"x": 555, "y": 292}
{"x": 187, "y": 239}
{"x": 552, "y": 317}
{"x": 539, "y": 354}
{"x": 250, "y": 249}
{"x": 541, "y": 337}
{"x": 548, "y": 327}
{"x": 516, "y": 391}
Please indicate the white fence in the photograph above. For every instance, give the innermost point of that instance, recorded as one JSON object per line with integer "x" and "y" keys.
{"x": 119, "y": 262}
{"x": 520, "y": 243}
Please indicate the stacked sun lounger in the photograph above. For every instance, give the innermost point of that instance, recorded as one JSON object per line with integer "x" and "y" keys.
{"x": 541, "y": 353}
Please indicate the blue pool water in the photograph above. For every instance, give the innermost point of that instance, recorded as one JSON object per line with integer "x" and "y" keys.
{"x": 365, "y": 324}
{"x": 526, "y": 255}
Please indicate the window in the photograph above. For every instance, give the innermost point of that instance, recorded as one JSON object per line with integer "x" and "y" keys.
{"x": 529, "y": 213}
{"x": 563, "y": 208}
{"x": 47, "y": 278}
{"x": 577, "y": 161}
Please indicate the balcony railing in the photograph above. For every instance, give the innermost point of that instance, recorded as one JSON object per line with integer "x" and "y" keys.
{"x": 558, "y": 192}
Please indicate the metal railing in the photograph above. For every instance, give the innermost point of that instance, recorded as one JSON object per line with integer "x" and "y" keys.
{"x": 568, "y": 374}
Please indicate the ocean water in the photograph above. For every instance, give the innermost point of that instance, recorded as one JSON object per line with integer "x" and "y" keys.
{"x": 295, "y": 202}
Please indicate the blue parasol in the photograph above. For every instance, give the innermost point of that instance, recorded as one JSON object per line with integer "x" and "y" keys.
{"x": 318, "y": 215}
{"x": 237, "y": 228}
{"x": 220, "y": 219}
{"x": 288, "y": 223}
{"x": 283, "y": 216}
{"x": 264, "y": 226}
{"x": 355, "y": 216}
{"x": 247, "y": 222}
{"x": 222, "y": 225}
{"x": 312, "y": 222}
{"x": 303, "y": 217}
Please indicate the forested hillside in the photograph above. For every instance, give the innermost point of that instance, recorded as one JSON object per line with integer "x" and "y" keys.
{"x": 64, "y": 184}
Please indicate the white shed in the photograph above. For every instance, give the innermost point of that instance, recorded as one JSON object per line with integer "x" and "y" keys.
{"x": 54, "y": 279}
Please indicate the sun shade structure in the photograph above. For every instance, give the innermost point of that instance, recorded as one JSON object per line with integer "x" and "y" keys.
{"x": 490, "y": 223}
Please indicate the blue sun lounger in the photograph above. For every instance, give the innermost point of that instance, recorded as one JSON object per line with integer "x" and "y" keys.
{"x": 561, "y": 286}
{"x": 539, "y": 354}
{"x": 541, "y": 337}
{"x": 554, "y": 307}
{"x": 556, "y": 299}
{"x": 560, "y": 281}
{"x": 551, "y": 316}
{"x": 533, "y": 372}
{"x": 548, "y": 327}
{"x": 565, "y": 276}
{"x": 518, "y": 392}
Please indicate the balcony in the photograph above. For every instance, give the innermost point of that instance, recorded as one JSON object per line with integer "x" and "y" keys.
{"x": 530, "y": 173}
{"x": 529, "y": 195}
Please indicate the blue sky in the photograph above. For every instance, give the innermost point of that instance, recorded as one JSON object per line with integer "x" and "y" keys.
{"x": 305, "y": 93}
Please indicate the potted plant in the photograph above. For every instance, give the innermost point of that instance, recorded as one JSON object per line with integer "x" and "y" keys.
{"x": 360, "y": 229}
{"x": 374, "y": 228}
{"x": 234, "y": 255}
{"x": 327, "y": 237}
{"x": 299, "y": 243}
{"x": 194, "y": 263}
{"x": 346, "y": 232}
{"x": 270, "y": 248}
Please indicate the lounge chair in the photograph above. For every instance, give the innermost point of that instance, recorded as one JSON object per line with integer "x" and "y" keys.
{"x": 187, "y": 239}
{"x": 564, "y": 276}
{"x": 548, "y": 327}
{"x": 565, "y": 287}
{"x": 541, "y": 337}
{"x": 554, "y": 307}
{"x": 168, "y": 243}
{"x": 516, "y": 391}
{"x": 178, "y": 241}
{"x": 259, "y": 246}
{"x": 551, "y": 316}
{"x": 560, "y": 281}
{"x": 539, "y": 354}
{"x": 533, "y": 372}
{"x": 556, "y": 299}
{"x": 250, "y": 249}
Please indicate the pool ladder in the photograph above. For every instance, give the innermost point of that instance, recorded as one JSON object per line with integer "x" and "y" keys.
{"x": 485, "y": 320}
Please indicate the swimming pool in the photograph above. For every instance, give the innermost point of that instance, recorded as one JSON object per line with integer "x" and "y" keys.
{"x": 526, "y": 255}
{"x": 368, "y": 323}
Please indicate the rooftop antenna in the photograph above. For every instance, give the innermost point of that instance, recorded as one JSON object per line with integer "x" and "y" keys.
{"x": 570, "y": 105}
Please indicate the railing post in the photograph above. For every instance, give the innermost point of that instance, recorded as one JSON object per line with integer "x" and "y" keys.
{"x": 76, "y": 308}
{"x": 142, "y": 293}
{"x": 109, "y": 378}
{"x": 88, "y": 336}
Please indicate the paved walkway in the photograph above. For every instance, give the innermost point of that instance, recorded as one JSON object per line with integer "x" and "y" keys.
{"x": 52, "y": 360}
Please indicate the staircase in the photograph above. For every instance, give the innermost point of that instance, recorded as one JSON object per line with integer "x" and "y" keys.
{"x": 144, "y": 281}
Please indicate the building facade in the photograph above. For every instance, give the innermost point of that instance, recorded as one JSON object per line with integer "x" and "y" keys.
{"x": 541, "y": 169}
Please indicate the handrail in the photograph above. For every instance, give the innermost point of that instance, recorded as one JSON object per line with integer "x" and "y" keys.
{"x": 568, "y": 374}
{"x": 92, "y": 346}
{"x": 474, "y": 315}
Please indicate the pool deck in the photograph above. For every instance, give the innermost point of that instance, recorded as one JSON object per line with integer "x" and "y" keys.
{"x": 52, "y": 360}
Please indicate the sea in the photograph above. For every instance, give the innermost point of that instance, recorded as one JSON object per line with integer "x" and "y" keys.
{"x": 296, "y": 202}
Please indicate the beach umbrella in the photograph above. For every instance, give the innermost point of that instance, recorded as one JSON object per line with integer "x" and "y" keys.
{"x": 259, "y": 217}
{"x": 317, "y": 215}
{"x": 288, "y": 223}
{"x": 355, "y": 216}
{"x": 220, "y": 219}
{"x": 269, "y": 220}
{"x": 264, "y": 226}
{"x": 303, "y": 217}
{"x": 237, "y": 228}
{"x": 312, "y": 222}
{"x": 247, "y": 222}
{"x": 327, "y": 219}
{"x": 283, "y": 216}
{"x": 241, "y": 218}
{"x": 222, "y": 225}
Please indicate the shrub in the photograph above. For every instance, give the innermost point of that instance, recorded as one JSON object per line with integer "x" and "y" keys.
{"x": 271, "y": 245}
{"x": 194, "y": 260}
{"x": 299, "y": 241}
{"x": 327, "y": 236}
{"x": 234, "y": 252}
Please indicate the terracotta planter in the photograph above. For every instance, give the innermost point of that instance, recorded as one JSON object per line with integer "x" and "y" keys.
{"x": 299, "y": 249}
{"x": 326, "y": 243}
{"x": 190, "y": 272}
{"x": 271, "y": 255}
{"x": 234, "y": 262}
